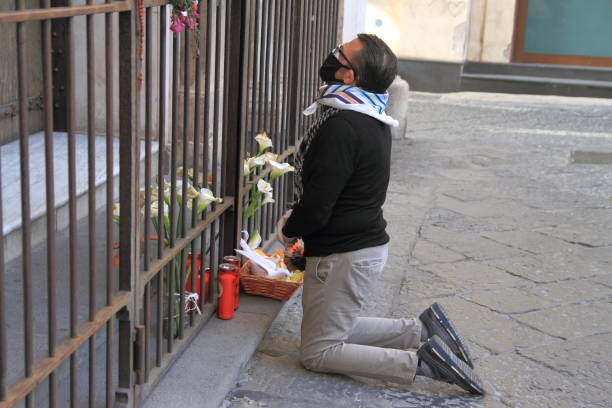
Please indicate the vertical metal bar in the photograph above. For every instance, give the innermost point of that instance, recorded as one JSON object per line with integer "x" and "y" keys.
{"x": 270, "y": 111}
{"x": 26, "y": 230}
{"x": 70, "y": 105}
{"x": 140, "y": 353}
{"x": 235, "y": 57}
{"x": 197, "y": 127}
{"x": 215, "y": 146}
{"x": 304, "y": 63}
{"x": 254, "y": 120}
{"x": 206, "y": 132}
{"x": 281, "y": 107}
{"x": 183, "y": 226}
{"x": 248, "y": 47}
{"x": 260, "y": 103}
{"x": 148, "y": 132}
{"x": 128, "y": 197}
{"x": 207, "y": 89}
{"x": 50, "y": 207}
{"x": 147, "y": 181}
{"x": 91, "y": 195}
{"x": 163, "y": 37}
{"x": 173, "y": 160}
{"x": 110, "y": 281}
{"x": 3, "y": 355}
{"x": 216, "y": 124}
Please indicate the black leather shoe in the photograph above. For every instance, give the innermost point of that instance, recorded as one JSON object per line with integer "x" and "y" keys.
{"x": 446, "y": 366}
{"x": 438, "y": 323}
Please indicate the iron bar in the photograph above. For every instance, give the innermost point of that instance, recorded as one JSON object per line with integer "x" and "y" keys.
{"x": 147, "y": 180}
{"x": 110, "y": 281}
{"x": 91, "y": 196}
{"x": 129, "y": 68}
{"x": 206, "y": 133}
{"x": 3, "y": 325}
{"x": 173, "y": 164}
{"x": 50, "y": 200}
{"x": 197, "y": 128}
{"x": 163, "y": 37}
{"x": 70, "y": 121}
{"x": 215, "y": 146}
{"x": 183, "y": 226}
{"x": 24, "y": 167}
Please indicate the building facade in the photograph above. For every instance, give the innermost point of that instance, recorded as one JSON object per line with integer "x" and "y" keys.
{"x": 525, "y": 46}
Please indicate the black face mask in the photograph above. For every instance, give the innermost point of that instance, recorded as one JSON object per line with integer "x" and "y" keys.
{"x": 330, "y": 66}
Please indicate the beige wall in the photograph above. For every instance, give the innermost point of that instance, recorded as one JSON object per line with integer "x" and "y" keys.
{"x": 491, "y": 30}
{"x": 444, "y": 30}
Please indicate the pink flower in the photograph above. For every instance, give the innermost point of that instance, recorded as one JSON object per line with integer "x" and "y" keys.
{"x": 189, "y": 22}
{"x": 177, "y": 24}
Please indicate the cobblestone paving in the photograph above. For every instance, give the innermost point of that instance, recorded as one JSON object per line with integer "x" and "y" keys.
{"x": 487, "y": 216}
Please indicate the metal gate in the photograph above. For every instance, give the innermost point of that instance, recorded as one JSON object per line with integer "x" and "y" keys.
{"x": 97, "y": 241}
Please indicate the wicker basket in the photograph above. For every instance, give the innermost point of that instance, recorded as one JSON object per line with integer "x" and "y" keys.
{"x": 263, "y": 286}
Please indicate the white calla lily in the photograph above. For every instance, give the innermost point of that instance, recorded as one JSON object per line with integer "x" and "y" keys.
{"x": 205, "y": 197}
{"x": 191, "y": 193}
{"x": 267, "y": 199}
{"x": 270, "y": 157}
{"x": 264, "y": 186}
{"x": 254, "y": 240}
{"x": 278, "y": 169}
{"x": 253, "y": 162}
{"x": 264, "y": 141}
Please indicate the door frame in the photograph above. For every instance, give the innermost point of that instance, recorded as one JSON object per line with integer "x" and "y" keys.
{"x": 519, "y": 54}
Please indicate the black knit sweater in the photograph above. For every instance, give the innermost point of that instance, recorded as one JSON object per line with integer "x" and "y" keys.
{"x": 345, "y": 178}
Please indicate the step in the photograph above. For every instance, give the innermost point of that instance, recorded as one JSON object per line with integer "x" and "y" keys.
{"x": 11, "y": 184}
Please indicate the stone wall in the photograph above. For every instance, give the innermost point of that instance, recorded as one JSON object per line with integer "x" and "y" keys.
{"x": 444, "y": 30}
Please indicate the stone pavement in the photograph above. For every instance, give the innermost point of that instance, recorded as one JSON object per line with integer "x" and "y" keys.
{"x": 488, "y": 216}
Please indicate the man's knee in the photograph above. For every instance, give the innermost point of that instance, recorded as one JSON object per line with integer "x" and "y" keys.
{"x": 312, "y": 359}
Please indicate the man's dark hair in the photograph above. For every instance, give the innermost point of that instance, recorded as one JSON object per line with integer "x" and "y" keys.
{"x": 376, "y": 64}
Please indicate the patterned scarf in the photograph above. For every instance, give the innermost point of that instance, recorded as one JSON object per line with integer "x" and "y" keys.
{"x": 332, "y": 99}
{"x": 348, "y": 97}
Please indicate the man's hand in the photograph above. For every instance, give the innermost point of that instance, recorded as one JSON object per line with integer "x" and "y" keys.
{"x": 285, "y": 241}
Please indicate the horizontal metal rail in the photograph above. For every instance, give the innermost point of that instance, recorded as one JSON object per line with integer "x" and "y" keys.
{"x": 182, "y": 243}
{"x": 64, "y": 350}
{"x": 19, "y": 16}
{"x": 286, "y": 154}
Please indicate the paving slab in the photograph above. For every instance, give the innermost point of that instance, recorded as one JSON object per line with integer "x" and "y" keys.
{"x": 555, "y": 267}
{"x": 524, "y": 383}
{"x": 571, "y": 321}
{"x": 468, "y": 244}
{"x": 472, "y": 275}
{"x": 528, "y": 241}
{"x": 584, "y": 359}
{"x": 426, "y": 252}
{"x": 510, "y": 300}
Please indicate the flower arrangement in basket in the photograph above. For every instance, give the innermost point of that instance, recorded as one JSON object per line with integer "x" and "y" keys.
{"x": 265, "y": 274}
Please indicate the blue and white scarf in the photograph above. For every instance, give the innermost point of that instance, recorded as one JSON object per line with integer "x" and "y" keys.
{"x": 335, "y": 98}
{"x": 349, "y": 97}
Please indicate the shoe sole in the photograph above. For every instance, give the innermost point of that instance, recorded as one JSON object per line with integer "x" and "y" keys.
{"x": 440, "y": 314}
{"x": 446, "y": 360}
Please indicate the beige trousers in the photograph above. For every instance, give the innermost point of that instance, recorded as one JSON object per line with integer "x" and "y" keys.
{"x": 335, "y": 339}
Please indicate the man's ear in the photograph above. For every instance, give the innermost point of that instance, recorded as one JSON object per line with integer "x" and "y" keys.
{"x": 349, "y": 77}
